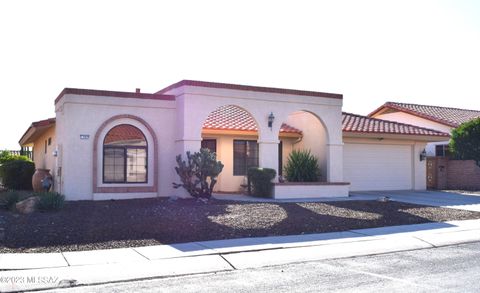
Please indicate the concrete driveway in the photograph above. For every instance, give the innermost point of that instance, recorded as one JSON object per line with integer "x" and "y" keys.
{"x": 431, "y": 198}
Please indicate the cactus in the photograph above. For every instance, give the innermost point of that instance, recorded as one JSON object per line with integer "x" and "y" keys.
{"x": 198, "y": 173}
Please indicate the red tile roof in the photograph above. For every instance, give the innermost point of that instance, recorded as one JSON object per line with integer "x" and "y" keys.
{"x": 363, "y": 124}
{"x": 235, "y": 118}
{"x": 448, "y": 116}
{"x": 115, "y": 94}
{"x": 124, "y": 134}
{"x": 41, "y": 123}
{"x": 249, "y": 88}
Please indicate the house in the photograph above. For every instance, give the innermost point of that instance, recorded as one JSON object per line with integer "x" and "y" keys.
{"x": 439, "y": 118}
{"x": 116, "y": 145}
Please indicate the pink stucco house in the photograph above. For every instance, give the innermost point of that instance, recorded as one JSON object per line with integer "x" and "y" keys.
{"x": 443, "y": 119}
{"x": 116, "y": 145}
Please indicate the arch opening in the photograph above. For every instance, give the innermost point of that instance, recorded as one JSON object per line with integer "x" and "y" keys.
{"x": 125, "y": 155}
{"x": 303, "y": 130}
{"x": 232, "y": 133}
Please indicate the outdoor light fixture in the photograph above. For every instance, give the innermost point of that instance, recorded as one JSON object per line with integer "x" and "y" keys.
{"x": 423, "y": 155}
{"x": 270, "y": 119}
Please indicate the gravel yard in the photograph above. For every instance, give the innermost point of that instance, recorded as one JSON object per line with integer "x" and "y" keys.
{"x": 91, "y": 225}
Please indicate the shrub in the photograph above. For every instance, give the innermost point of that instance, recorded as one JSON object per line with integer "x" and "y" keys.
{"x": 17, "y": 174}
{"x": 198, "y": 173}
{"x": 261, "y": 181}
{"x": 50, "y": 201}
{"x": 6, "y": 156}
{"x": 465, "y": 141}
{"x": 9, "y": 198}
{"x": 302, "y": 166}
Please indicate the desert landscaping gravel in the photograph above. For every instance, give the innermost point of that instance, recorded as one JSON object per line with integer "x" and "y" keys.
{"x": 88, "y": 225}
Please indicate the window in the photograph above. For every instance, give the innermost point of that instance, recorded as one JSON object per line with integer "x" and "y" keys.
{"x": 442, "y": 150}
{"x": 210, "y": 144}
{"x": 45, "y": 151}
{"x": 245, "y": 155}
{"x": 49, "y": 141}
{"x": 125, "y": 155}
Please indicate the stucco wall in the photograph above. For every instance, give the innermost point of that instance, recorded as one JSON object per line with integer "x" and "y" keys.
{"x": 83, "y": 115}
{"x": 418, "y": 121}
{"x": 178, "y": 126}
{"x": 314, "y": 138}
{"x": 227, "y": 182}
{"x": 196, "y": 103}
{"x": 42, "y": 159}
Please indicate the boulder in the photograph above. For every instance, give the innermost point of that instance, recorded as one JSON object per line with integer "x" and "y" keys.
{"x": 28, "y": 205}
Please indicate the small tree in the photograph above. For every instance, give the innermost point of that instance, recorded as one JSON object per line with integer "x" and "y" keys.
{"x": 465, "y": 141}
{"x": 198, "y": 173}
{"x": 302, "y": 166}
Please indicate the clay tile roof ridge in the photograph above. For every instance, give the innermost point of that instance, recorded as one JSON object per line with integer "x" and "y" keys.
{"x": 394, "y": 124}
{"x": 429, "y": 106}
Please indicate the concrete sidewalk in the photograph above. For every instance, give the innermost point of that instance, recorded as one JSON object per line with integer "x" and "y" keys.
{"x": 32, "y": 271}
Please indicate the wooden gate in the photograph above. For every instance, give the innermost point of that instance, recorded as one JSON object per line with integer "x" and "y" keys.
{"x": 431, "y": 173}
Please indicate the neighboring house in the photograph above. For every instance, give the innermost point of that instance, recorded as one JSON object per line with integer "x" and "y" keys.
{"x": 41, "y": 134}
{"x": 439, "y": 118}
{"x": 115, "y": 145}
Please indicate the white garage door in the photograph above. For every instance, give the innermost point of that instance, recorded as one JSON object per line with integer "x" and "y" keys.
{"x": 377, "y": 167}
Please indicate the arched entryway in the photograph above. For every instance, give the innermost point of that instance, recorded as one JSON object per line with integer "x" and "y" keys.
{"x": 303, "y": 130}
{"x": 232, "y": 133}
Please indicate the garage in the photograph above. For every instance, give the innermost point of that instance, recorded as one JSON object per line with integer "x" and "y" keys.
{"x": 378, "y": 166}
{"x": 385, "y": 155}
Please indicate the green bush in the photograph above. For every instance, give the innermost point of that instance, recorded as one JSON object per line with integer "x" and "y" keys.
{"x": 50, "y": 201}
{"x": 6, "y": 156}
{"x": 465, "y": 141}
{"x": 17, "y": 174}
{"x": 302, "y": 166}
{"x": 198, "y": 173}
{"x": 261, "y": 181}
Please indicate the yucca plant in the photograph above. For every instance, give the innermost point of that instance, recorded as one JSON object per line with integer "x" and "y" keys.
{"x": 51, "y": 201}
{"x": 302, "y": 166}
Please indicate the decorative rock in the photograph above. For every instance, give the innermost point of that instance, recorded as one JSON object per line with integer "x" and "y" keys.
{"x": 383, "y": 199}
{"x": 28, "y": 205}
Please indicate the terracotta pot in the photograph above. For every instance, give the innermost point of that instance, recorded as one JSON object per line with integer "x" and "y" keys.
{"x": 37, "y": 178}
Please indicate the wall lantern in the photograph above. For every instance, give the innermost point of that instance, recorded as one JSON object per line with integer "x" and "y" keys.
{"x": 270, "y": 119}
{"x": 423, "y": 155}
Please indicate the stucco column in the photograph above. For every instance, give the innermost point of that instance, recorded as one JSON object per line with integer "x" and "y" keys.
{"x": 419, "y": 168}
{"x": 268, "y": 154}
{"x": 335, "y": 162}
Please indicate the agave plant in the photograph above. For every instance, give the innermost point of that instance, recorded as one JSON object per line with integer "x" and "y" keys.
{"x": 302, "y": 166}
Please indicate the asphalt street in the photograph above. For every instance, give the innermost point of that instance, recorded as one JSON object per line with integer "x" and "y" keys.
{"x": 445, "y": 269}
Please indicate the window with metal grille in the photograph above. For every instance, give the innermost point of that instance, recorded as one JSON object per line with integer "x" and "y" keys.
{"x": 125, "y": 155}
{"x": 442, "y": 150}
{"x": 210, "y": 144}
{"x": 245, "y": 155}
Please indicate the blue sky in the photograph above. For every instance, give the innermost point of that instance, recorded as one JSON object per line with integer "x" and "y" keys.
{"x": 422, "y": 52}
